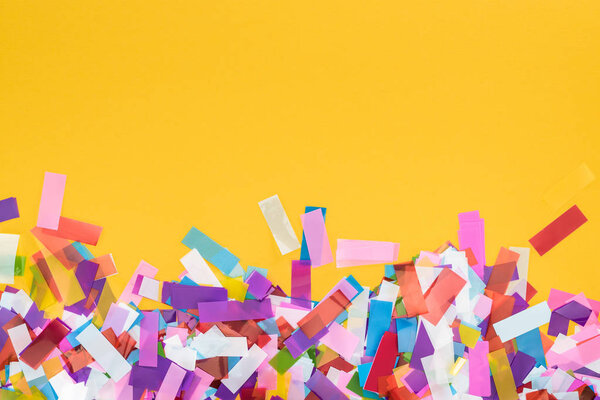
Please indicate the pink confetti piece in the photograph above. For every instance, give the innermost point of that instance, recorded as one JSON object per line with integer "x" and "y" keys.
{"x": 317, "y": 240}
{"x": 51, "y": 201}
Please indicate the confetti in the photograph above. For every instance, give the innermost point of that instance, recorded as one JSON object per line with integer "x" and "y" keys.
{"x": 558, "y": 230}
{"x": 443, "y": 325}
{"x": 8, "y": 209}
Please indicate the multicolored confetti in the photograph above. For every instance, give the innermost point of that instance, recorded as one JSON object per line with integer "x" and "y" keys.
{"x": 444, "y": 325}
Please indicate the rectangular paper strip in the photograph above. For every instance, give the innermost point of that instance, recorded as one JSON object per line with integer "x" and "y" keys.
{"x": 479, "y": 370}
{"x": 8, "y": 254}
{"x": 41, "y": 347}
{"x": 323, "y": 388}
{"x": 569, "y": 185}
{"x": 212, "y": 251}
{"x": 149, "y": 339}
{"x": 217, "y": 311}
{"x": 317, "y": 240}
{"x": 279, "y": 224}
{"x": 103, "y": 352}
{"x": 171, "y": 383}
{"x": 143, "y": 269}
{"x": 340, "y": 340}
{"x": 51, "y": 201}
{"x": 198, "y": 269}
{"x": 301, "y": 283}
{"x": 558, "y": 230}
{"x": 8, "y": 209}
{"x": 351, "y": 253}
{"x": 471, "y": 235}
{"x": 502, "y": 374}
{"x": 523, "y": 322}
{"x": 304, "y": 249}
{"x": 77, "y": 231}
{"x": 244, "y": 368}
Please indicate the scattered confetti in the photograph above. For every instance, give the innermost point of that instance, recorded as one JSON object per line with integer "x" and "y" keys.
{"x": 443, "y": 325}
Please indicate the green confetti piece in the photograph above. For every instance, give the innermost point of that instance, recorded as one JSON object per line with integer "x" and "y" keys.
{"x": 283, "y": 360}
{"x": 354, "y": 385}
{"x": 20, "y": 265}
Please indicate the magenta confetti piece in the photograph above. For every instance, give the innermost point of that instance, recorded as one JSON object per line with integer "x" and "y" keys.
{"x": 149, "y": 339}
{"x": 217, "y": 311}
{"x": 301, "y": 283}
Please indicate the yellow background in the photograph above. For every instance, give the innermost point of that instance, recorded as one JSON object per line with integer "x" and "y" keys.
{"x": 395, "y": 115}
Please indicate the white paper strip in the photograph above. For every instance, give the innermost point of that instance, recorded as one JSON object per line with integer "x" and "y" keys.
{"x": 21, "y": 303}
{"x": 198, "y": 269}
{"x": 279, "y": 224}
{"x": 149, "y": 288}
{"x": 184, "y": 356}
{"x": 523, "y": 322}
{"x": 388, "y": 292}
{"x": 244, "y": 368}
{"x": 19, "y": 336}
{"x": 8, "y": 253}
{"x": 214, "y": 344}
{"x": 103, "y": 352}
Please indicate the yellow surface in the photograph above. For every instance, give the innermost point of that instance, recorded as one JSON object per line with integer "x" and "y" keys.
{"x": 395, "y": 115}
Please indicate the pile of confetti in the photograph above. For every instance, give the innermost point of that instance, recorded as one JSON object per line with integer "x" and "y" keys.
{"x": 443, "y": 325}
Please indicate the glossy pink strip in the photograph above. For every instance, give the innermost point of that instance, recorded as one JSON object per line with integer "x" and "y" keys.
{"x": 317, "y": 240}
{"x": 479, "y": 370}
{"x": 51, "y": 201}
{"x": 149, "y": 339}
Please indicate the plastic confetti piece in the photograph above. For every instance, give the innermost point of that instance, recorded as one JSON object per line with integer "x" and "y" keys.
{"x": 51, "y": 201}
{"x": 213, "y": 252}
{"x": 441, "y": 294}
{"x": 324, "y": 388}
{"x": 8, "y": 254}
{"x": 171, "y": 383}
{"x": 187, "y": 296}
{"x": 244, "y": 368}
{"x": 149, "y": 288}
{"x": 41, "y": 347}
{"x": 479, "y": 370}
{"x": 198, "y": 269}
{"x": 380, "y": 317}
{"x": 340, "y": 340}
{"x": 279, "y": 224}
{"x": 502, "y": 374}
{"x": 406, "y": 329}
{"x": 558, "y": 230}
{"x": 216, "y": 311}
{"x": 568, "y": 186}
{"x": 258, "y": 285}
{"x": 103, "y": 352}
{"x": 317, "y": 240}
{"x": 144, "y": 269}
{"x": 384, "y": 360}
{"x": 323, "y": 314}
{"x": 8, "y": 209}
{"x": 523, "y": 322}
{"x": 471, "y": 236}
{"x": 301, "y": 283}
{"x": 149, "y": 339}
{"x": 76, "y": 231}
{"x": 469, "y": 335}
{"x": 412, "y": 295}
{"x": 352, "y": 253}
